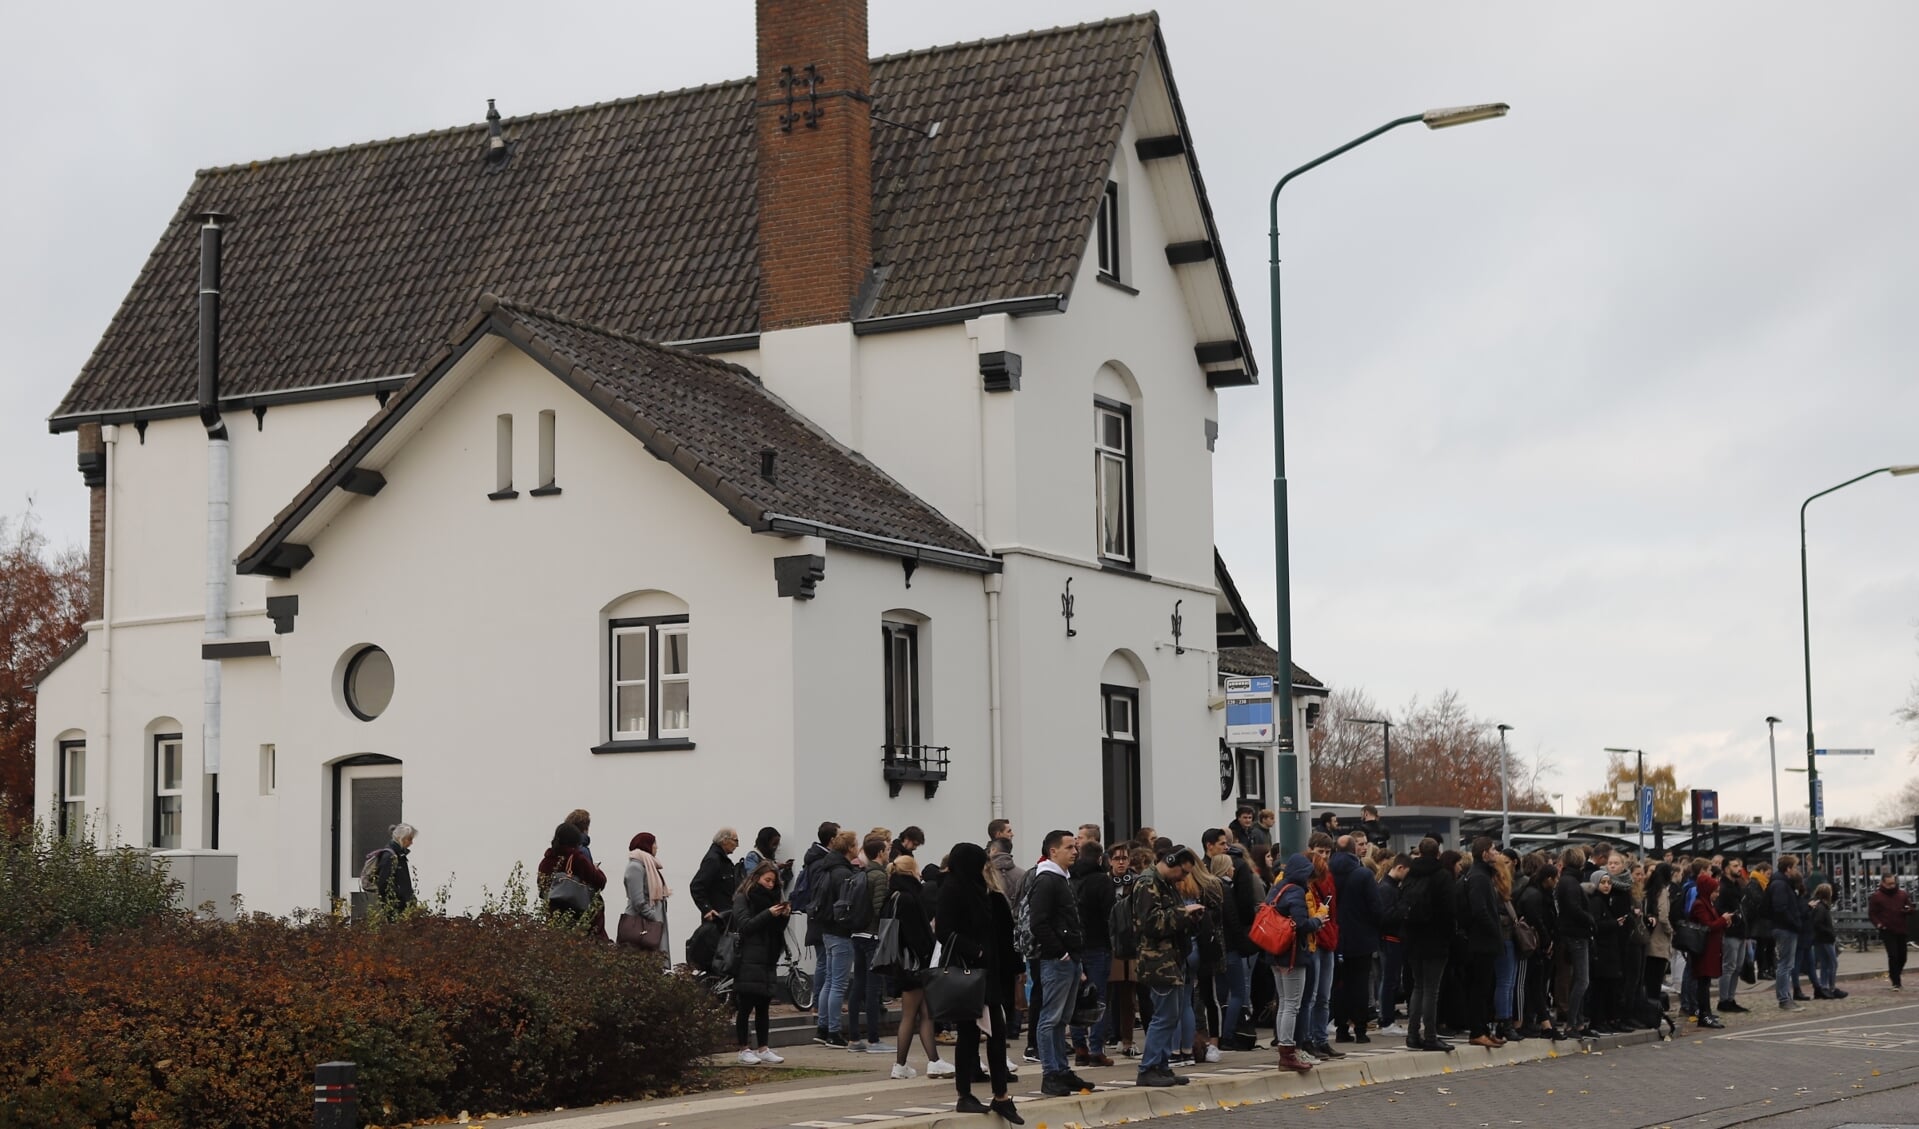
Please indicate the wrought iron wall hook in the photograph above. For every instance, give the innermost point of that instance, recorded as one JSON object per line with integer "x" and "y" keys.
{"x": 1066, "y": 607}
{"x": 1179, "y": 622}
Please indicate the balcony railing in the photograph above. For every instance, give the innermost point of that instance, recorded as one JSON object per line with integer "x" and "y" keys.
{"x": 914, "y": 764}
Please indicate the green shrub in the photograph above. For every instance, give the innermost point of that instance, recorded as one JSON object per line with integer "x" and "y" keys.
{"x": 210, "y": 1025}
{"x": 50, "y": 885}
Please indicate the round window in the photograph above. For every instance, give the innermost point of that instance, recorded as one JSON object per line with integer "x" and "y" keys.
{"x": 369, "y": 683}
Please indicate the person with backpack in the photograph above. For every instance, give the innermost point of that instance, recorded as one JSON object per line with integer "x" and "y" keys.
{"x": 385, "y": 875}
{"x": 759, "y": 919}
{"x": 865, "y": 902}
{"x": 1289, "y": 958}
{"x": 1122, "y": 937}
{"x": 833, "y": 903}
{"x": 805, "y": 889}
{"x": 1165, "y": 922}
{"x": 1825, "y": 947}
{"x": 1428, "y": 892}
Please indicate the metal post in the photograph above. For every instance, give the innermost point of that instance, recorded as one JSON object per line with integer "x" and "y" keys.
{"x": 1505, "y": 811}
{"x": 336, "y": 1096}
{"x": 1772, "y": 753}
{"x": 1638, "y": 797}
{"x": 1387, "y": 765}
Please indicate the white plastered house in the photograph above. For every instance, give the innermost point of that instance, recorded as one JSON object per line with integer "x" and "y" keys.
{"x": 834, "y": 444}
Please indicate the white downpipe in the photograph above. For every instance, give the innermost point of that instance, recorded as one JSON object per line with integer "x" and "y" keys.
{"x": 995, "y": 583}
{"x": 110, "y": 439}
{"x": 216, "y": 622}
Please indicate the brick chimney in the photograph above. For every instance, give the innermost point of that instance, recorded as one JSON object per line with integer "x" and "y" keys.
{"x": 813, "y": 135}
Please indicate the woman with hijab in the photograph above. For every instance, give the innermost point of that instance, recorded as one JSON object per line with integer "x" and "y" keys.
{"x": 1706, "y": 966}
{"x": 567, "y": 855}
{"x": 646, "y": 890}
{"x": 760, "y": 914}
{"x": 1658, "y": 904}
{"x": 976, "y": 930}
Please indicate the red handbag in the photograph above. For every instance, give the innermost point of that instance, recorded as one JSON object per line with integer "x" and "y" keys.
{"x": 1273, "y": 932}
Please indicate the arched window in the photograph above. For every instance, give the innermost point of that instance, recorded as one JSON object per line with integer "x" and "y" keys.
{"x": 649, "y": 674}
{"x": 72, "y": 770}
{"x": 1115, "y": 454}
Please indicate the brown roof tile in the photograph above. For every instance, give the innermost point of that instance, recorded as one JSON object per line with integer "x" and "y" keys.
{"x": 343, "y": 265}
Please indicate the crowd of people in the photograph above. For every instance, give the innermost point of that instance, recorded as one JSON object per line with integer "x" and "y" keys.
{"x": 1180, "y": 952}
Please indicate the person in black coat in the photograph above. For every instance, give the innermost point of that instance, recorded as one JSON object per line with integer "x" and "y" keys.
{"x": 906, "y": 904}
{"x": 975, "y": 926}
{"x": 714, "y": 883}
{"x": 1534, "y": 905}
{"x": 1357, "y": 909}
{"x": 1429, "y": 894}
{"x": 1575, "y": 936}
{"x": 760, "y": 914}
{"x": 1480, "y": 923}
{"x": 392, "y": 876}
{"x": 1094, "y": 894}
{"x": 1611, "y": 909}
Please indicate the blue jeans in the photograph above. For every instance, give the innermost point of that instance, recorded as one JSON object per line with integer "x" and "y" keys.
{"x": 1732, "y": 954}
{"x": 1234, "y": 988}
{"x": 1785, "y": 949}
{"x": 1163, "y": 1030}
{"x": 1098, "y": 965}
{"x": 1059, "y": 984}
{"x": 868, "y": 992}
{"x": 1505, "y": 966}
{"x": 1825, "y": 965}
{"x": 1315, "y": 1009}
{"x": 1391, "y": 956}
{"x": 834, "y": 973}
{"x": 1289, "y": 986}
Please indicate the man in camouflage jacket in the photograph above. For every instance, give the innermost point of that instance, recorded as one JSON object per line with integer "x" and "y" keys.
{"x": 1165, "y": 923}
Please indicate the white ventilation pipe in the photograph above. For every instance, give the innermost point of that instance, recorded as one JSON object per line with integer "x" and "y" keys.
{"x": 110, "y": 440}
{"x": 217, "y": 483}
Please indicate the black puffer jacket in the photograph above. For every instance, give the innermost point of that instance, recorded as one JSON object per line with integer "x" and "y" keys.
{"x": 906, "y": 901}
{"x": 1575, "y": 911}
{"x": 1055, "y": 916}
{"x": 833, "y": 870}
{"x": 713, "y": 884}
{"x": 1432, "y": 896}
{"x": 1480, "y": 903}
{"x": 762, "y": 941}
{"x": 1093, "y": 890}
{"x": 979, "y": 933}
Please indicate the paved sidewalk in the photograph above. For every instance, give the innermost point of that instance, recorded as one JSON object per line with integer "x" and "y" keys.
{"x": 865, "y": 1096}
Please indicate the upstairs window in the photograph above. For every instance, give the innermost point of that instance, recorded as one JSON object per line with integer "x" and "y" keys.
{"x": 169, "y": 790}
{"x": 1113, "y": 480}
{"x": 902, "y": 666}
{"x": 1107, "y": 231}
{"x": 651, "y": 684}
{"x": 73, "y": 787}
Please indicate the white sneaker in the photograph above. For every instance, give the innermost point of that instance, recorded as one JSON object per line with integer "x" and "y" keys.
{"x": 769, "y": 1058}
{"x": 748, "y": 1058}
{"x": 903, "y": 1071}
{"x": 1309, "y": 1060}
{"x": 941, "y": 1069}
{"x": 1396, "y": 1029}
{"x": 1212, "y": 1053}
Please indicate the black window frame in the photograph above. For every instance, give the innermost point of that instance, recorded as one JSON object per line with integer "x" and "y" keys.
{"x": 1111, "y": 745}
{"x": 179, "y": 827}
{"x": 610, "y": 720}
{"x": 1101, "y": 404}
{"x": 890, "y": 630}
{"x": 353, "y": 668}
{"x": 1252, "y": 762}
{"x": 1107, "y": 232}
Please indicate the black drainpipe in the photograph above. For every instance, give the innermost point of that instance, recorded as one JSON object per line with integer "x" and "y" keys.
{"x": 210, "y": 325}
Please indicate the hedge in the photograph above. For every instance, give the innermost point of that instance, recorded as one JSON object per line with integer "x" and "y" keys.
{"x": 177, "y": 1022}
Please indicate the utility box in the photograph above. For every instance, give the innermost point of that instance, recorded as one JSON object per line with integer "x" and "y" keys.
{"x": 204, "y": 876}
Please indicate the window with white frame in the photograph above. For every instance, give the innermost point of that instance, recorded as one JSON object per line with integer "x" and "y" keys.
{"x": 269, "y": 770}
{"x": 73, "y": 787}
{"x": 1107, "y": 231}
{"x": 902, "y": 671}
{"x": 650, "y": 691}
{"x": 1113, "y": 479}
{"x": 169, "y": 791}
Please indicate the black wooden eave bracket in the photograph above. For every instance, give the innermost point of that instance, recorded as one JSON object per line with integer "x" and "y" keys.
{"x": 282, "y": 610}
{"x": 999, "y": 371}
{"x": 799, "y": 575}
{"x": 219, "y": 649}
{"x": 1218, "y": 352}
{"x": 1191, "y": 251}
{"x": 364, "y": 482}
{"x": 1159, "y": 148}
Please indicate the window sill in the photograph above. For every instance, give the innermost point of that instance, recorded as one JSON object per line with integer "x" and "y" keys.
{"x": 666, "y": 745}
{"x": 1119, "y": 569}
{"x": 1115, "y": 283}
{"x": 543, "y": 491}
{"x": 503, "y": 495}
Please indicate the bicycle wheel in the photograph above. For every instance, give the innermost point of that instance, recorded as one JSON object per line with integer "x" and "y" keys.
{"x": 799, "y": 987}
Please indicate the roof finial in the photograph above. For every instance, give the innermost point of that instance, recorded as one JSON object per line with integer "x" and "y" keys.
{"x": 495, "y": 137}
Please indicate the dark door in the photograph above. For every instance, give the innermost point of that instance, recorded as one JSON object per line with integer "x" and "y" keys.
{"x": 1119, "y": 761}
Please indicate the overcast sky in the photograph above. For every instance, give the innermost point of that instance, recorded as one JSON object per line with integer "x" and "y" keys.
{"x": 1556, "y": 384}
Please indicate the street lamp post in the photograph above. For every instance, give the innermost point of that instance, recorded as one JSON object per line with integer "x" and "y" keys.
{"x": 1805, "y": 628}
{"x": 1386, "y": 727}
{"x": 1639, "y": 789}
{"x": 1505, "y": 812}
{"x": 1292, "y": 824}
{"x": 1772, "y": 752}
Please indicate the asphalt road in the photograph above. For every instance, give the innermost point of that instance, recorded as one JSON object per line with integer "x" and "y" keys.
{"x": 1859, "y": 1065}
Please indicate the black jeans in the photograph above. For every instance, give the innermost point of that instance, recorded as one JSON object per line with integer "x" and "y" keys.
{"x": 1353, "y": 991}
{"x": 757, "y": 1007}
{"x": 966, "y": 1048}
{"x": 1422, "y": 1012}
{"x": 1895, "y": 954}
{"x": 1539, "y": 978}
{"x": 1479, "y": 993}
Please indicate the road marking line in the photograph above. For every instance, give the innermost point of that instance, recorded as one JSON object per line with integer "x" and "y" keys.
{"x": 1828, "y": 1022}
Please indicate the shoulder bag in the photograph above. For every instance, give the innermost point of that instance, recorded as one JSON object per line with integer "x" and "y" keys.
{"x": 568, "y": 892}
{"x": 1689, "y": 937}
{"x": 1525, "y": 937}
{"x": 641, "y": 933}
{"x": 955, "y": 994}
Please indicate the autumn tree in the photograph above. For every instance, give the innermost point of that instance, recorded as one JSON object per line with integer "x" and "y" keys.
{"x": 1442, "y": 756}
{"x": 1670, "y": 802}
{"x": 43, "y": 602}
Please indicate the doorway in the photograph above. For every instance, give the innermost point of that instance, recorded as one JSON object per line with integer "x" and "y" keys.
{"x": 366, "y": 805}
{"x": 1119, "y": 760}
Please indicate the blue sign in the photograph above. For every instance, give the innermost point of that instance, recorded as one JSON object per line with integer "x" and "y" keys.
{"x": 1645, "y": 810}
{"x": 1249, "y": 711}
{"x": 1818, "y": 801}
{"x": 1705, "y": 805}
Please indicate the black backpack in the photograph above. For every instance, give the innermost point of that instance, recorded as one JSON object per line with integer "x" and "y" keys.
{"x": 852, "y": 908}
{"x": 1417, "y": 898}
{"x": 1121, "y": 927}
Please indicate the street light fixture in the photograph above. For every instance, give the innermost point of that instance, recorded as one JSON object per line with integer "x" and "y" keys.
{"x": 1805, "y": 628}
{"x": 1386, "y": 727}
{"x": 1505, "y": 812}
{"x": 1639, "y": 789}
{"x": 1292, "y": 824}
{"x": 1772, "y": 751}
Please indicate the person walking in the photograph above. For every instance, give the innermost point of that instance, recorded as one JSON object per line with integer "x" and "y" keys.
{"x": 976, "y": 930}
{"x": 1706, "y": 965}
{"x": 1165, "y": 923}
{"x": 759, "y": 918}
{"x": 646, "y": 889}
{"x": 1575, "y": 923}
{"x": 715, "y": 880}
{"x": 835, "y": 971}
{"x": 564, "y": 855}
{"x": 392, "y": 874}
{"x": 1058, "y": 944}
{"x": 1785, "y": 899}
{"x": 906, "y": 905}
{"x": 1289, "y": 899}
{"x": 1481, "y": 926}
{"x": 1429, "y": 895}
{"x": 1889, "y": 909}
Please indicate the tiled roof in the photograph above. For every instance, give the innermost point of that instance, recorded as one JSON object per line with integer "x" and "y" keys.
{"x": 708, "y": 419}
{"x": 344, "y": 265}
{"x": 1261, "y": 659}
